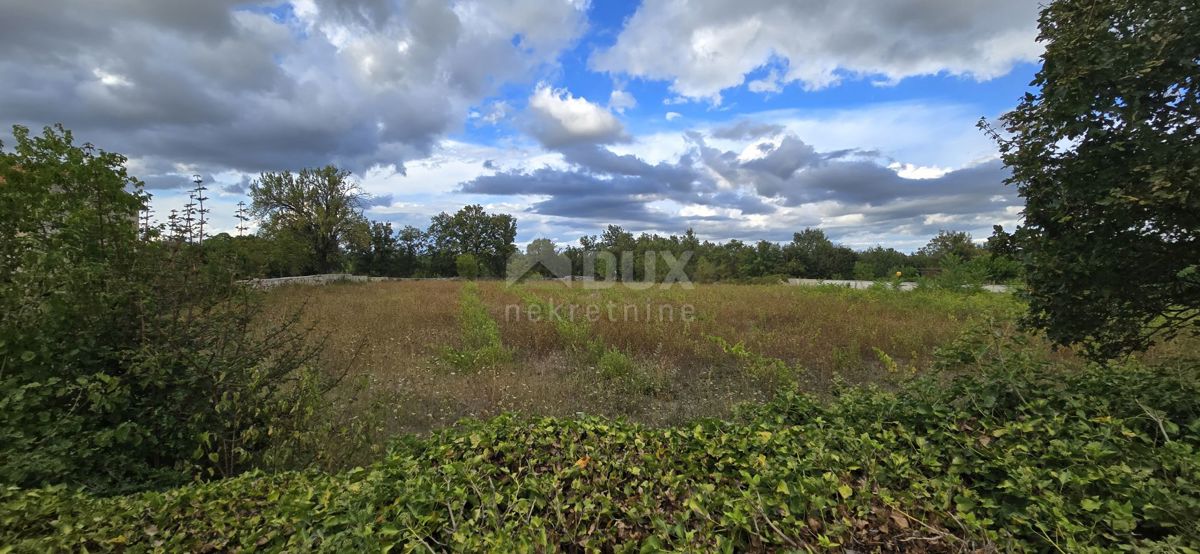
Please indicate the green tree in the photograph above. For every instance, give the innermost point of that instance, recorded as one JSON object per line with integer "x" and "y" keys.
{"x": 877, "y": 262}
{"x": 1003, "y": 243}
{"x": 1002, "y": 257}
{"x": 411, "y": 246}
{"x": 321, "y": 207}
{"x": 377, "y": 251}
{"x": 817, "y": 256}
{"x": 946, "y": 243}
{"x": 1106, "y": 154}
{"x": 541, "y": 258}
{"x": 767, "y": 259}
{"x": 488, "y": 238}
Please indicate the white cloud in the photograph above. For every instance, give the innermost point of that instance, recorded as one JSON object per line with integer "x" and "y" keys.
{"x": 706, "y": 46}
{"x": 110, "y": 79}
{"x": 620, "y": 100}
{"x": 558, "y": 118}
{"x": 769, "y": 84}
{"x": 672, "y": 116}
{"x": 494, "y": 113}
{"x": 910, "y": 171}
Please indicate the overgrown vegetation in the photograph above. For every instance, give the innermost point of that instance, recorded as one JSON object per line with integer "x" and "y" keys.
{"x": 1015, "y": 457}
{"x": 675, "y": 372}
{"x": 481, "y": 345}
{"x": 148, "y": 402}
{"x": 587, "y": 348}
{"x": 758, "y": 364}
{"x": 127, "y": 363}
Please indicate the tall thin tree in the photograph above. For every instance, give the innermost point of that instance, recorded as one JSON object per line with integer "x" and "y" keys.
{"x": 201, "y": 212}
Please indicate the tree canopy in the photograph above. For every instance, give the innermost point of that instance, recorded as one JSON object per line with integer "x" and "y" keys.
{"x": 488, "y": 238}
{"x": 321, "y": 207}
{"x": 1107, "y": 156}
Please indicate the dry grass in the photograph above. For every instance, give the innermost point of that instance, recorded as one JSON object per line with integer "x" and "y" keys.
{"x": 392, "y": 334}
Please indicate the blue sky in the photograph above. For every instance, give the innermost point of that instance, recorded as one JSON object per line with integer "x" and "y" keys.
{"x": 747, "y": 120}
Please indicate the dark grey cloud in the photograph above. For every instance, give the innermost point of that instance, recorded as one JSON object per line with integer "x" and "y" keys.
{"x": 680, "y": 177}
{"x": 256, "y": 86}
{"x": 849, "y": 192}
{"x": 607, "y": 187}
{"x": 573, "y": 194}
{"x": 167, "y": 181}
{"x": 543, "y": 181}
{"x": 605, "y": 209}
{"x": 598, "y": 159}
{"x": 868, "y": 183}
{"x": 783, "y": 160}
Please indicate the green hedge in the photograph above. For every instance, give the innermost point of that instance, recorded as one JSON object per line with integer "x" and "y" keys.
{"x": 1034, "y": 459}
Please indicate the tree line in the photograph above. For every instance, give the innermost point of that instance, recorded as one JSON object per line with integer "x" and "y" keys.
{"x": 313, "y": 222}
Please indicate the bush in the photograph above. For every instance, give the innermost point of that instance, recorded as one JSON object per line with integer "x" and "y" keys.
{"x": 126, "y": 362}
{"x": 467, "y": 266}
{"x": 959, "y": 275}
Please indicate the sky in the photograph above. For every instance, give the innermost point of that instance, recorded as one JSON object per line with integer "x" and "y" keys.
{"x": 741, "y": 120}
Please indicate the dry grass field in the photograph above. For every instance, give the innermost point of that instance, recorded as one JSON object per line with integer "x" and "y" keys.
{"x": 394, "y": 335}
{"x": 741, "y": 343}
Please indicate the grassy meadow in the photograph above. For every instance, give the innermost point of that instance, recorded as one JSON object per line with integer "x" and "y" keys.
{"x": 741, "y": 344}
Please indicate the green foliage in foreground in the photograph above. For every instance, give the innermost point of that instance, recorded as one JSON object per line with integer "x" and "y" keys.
{"x": 1034, "y": 459}
{"x": 126, "y": 362}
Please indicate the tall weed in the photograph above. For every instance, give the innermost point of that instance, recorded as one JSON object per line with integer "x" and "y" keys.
{"x": 481, "y": 344}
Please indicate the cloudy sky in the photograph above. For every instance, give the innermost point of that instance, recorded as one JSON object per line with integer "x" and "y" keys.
{"x": 749, "y": 119}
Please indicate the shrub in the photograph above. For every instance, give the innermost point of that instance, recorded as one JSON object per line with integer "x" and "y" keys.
{"x": 126, "y": 362}
{"x": 959, "y": 275}
{"x": 467, "y": 266}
